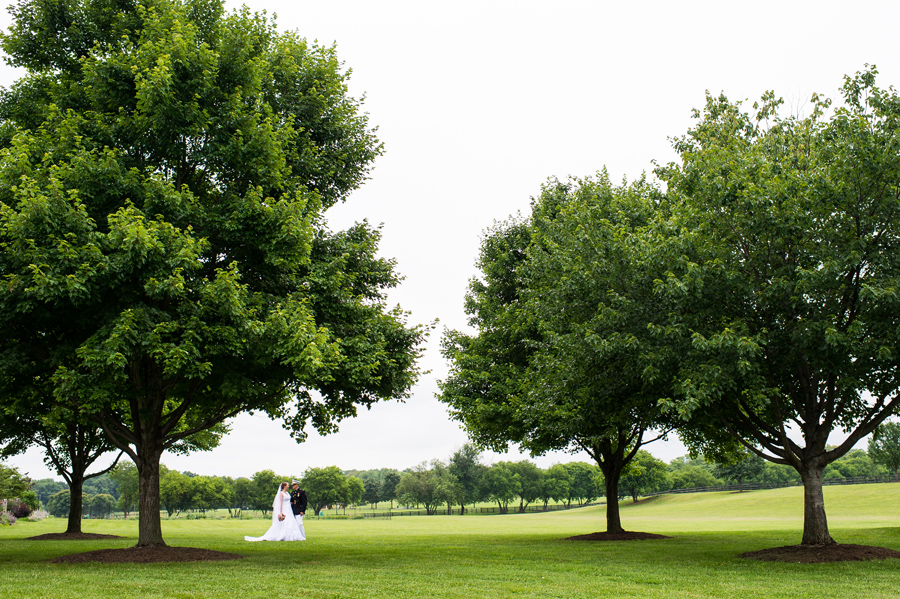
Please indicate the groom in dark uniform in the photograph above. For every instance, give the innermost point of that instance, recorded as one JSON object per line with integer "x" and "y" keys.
{"x": 298, "y": 505}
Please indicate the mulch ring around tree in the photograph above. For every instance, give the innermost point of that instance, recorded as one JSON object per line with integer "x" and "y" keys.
{"x": 822, "y": 554}
{"x": 72, "y": 536}
{"x": 616, "y": 536}
{"x": 146, "y": 555}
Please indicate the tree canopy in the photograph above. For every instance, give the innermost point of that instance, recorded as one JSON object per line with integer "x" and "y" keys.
{"x": 884, "y": 447}
{"x": 783, "y": 266}
{"x": 563, "y": 357}
{"x": 12, "y": 482}
{"x": 163, "y": 175}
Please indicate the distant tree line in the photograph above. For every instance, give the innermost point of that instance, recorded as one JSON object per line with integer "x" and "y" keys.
{"x": 194, "y": 495}
{"x": 646, "y": 474}
{"x": 462, "y": 481}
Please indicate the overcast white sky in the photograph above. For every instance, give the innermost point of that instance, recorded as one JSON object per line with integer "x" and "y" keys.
{"x": 478, "y": 103}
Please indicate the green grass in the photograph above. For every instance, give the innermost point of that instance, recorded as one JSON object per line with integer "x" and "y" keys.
{"x": 489, "y": 556}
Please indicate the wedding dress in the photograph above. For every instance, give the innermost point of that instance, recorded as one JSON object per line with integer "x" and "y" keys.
{"x": 281, "y": 530}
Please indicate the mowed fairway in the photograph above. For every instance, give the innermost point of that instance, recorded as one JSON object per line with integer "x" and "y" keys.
{"x": 490, "y": 556}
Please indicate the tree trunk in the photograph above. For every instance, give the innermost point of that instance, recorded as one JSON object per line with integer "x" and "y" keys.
{"x": 815, "y": 523}
{"x": 613, "y": 522}
{"x": 149, "y": 521}
{"x": 76, "y": 502}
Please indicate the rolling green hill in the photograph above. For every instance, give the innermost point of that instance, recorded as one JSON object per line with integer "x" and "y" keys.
{"x": 463, "y": 557}
{"x": 847, "y": 506}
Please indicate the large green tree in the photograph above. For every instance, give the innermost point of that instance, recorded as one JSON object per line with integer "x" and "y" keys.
{"x": 563, "y": 358}
{"x": 164, "y": 171}
{"x": 784, "y": 272}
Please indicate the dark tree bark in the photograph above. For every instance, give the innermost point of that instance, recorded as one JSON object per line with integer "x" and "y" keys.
{"x": 815, "y": 523}
{"x": 612, "y": 456}
{"x": 76, "y": 503}
{"x": 613, "y": 521}
{"x": 149, "y": 520}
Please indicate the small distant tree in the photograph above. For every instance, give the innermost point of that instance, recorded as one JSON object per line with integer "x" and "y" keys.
{"x": 323, "y": 486}
{"x": 779, "y": 474}
{"x": 418, "y": 485}
{"x": 530, "y": 480}
{"x": 70, "y": 444}
{"x": 352, "y": 492}
{"x": 745, "y": 467}
{"x": 501, "y": 484}
{"x": 555, "y": 484}
{"x": 447, "y": 486}
{"x": 242, "y": 489}
{"x": 466, "y": 465}
{"x": 12, "y": 482}
{"x": 686, "y": 473}
{"x": 102, "y": 483}
{"x": 175, "y": 491}
{"x": 102, "y": 505}
{"x": 58, "y": 504}
{"x": 645, "y": 474}
{"x": 209, "y": 493}
{"x": 583, "y": 488}
{"x": 127, "y": 486}
{"x": 265, "y": 485}
{"x": 389, "y": 486}
{"x": 372, "y": 491}
{"x": 884, "y": 446}
{"x": 46, "y": 487}
{"x": 856, "y": 463}
{"x": 30, "y": 499}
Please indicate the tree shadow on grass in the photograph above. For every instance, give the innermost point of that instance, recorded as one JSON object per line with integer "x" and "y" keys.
{"x": 146, "y": 555}
{"x": 822, "y": 554}
{"x": 72, "y": 536}
{"x": 616, "y": 536}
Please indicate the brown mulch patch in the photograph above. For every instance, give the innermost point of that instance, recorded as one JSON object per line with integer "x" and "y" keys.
{"x": 616, "y": 536}
{"x": 146, "y": 555}
{"x": 72, "y": 536}
{"x": 822, "y": 554}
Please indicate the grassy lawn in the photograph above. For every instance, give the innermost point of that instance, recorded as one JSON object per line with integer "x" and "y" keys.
{"x": 490, "y": 556}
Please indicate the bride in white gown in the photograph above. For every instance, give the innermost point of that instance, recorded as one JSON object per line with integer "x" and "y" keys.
{"x": 284, "y": 526}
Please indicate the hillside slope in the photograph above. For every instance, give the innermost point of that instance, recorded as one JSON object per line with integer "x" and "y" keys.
{"x": 850, "y": 506}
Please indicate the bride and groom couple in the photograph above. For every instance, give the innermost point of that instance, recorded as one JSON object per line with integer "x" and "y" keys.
{"x": 288, "y": 509}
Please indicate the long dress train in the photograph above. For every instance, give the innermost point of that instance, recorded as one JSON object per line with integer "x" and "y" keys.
{"x": 285, "y": 529}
